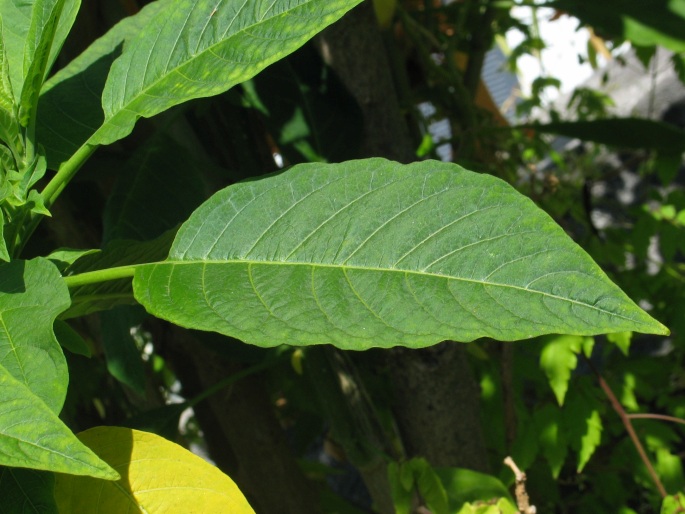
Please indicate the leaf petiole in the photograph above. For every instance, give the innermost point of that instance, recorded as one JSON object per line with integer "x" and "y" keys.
{"x": 103, "y": 275}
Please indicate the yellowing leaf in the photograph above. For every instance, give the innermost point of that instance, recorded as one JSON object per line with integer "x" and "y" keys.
{"x": 157, "y": 476}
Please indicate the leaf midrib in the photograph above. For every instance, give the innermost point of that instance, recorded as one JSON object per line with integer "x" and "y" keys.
{"x": 168, "y": 72}
{"x": 249, "y": 263}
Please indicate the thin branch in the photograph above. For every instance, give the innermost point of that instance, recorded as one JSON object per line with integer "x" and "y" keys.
{"x": 625, "y": 418}
{"x": 662, "y": 417}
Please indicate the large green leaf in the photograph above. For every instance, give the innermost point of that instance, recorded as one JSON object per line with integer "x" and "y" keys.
{"x": 199, "y": 48}
{"x": 32, "y": 294}
{"x": 373, "y": 253}
{"x": 32, "y": 436}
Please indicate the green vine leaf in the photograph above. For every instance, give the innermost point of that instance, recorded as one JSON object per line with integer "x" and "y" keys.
{"x": 373, "y": 253}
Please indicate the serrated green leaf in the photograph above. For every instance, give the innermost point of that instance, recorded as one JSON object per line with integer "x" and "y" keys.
{"x": 27, "y": 491}
{"x": 558, "y": 359}
{"x": 200, "y": 48}
{"x": 673, "y": 504}
{"x": 32, "y": 295}
{"x": 32, "y": 436}
{"x": 622, "y": 340}
{"x": 156, "y": 476}
{"x": 373, "y": 253}
{"x": 552, "y": 438}
{"x": 583, "y": 426}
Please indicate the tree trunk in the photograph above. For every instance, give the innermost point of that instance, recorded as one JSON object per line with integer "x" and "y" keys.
{"x": 436, "y": 399}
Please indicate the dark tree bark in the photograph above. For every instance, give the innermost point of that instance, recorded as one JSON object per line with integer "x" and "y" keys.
{"x": 242, "y": 431}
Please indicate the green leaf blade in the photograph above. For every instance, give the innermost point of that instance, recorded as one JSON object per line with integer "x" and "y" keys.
{"x": 32, "y": 295}
{"x": 373, "y": 253}
{"x": 216, "y": 45}
{"x": 32, "y": 436}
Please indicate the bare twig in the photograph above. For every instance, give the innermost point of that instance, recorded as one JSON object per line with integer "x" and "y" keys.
{"x": 522, "y": 499}
{"x": 625, "y": 418}
{"x": 662, "y": 417}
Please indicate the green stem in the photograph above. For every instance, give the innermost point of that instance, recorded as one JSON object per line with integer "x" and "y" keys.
{"x": 103, "y": 275}
{"x": 52, "y": 191}
{"x": 66, "y": 173}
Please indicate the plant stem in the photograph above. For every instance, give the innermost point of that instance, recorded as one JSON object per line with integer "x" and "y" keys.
{"x": 103, "y": 275}
{"x": 661, "y": 417}
{"x": 66, "y": 173}
{"x": 629, "y": 428}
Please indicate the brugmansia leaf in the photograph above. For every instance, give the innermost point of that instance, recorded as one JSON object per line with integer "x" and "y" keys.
{"x": 124, "y": 361}
{"x": 27, "y": 491}
{"x": 200, "y": 48}
{"x": 32, "y": 436}
{"x": 373, "y": 253}
{"x": 32, "y": 295}
{"x": 70, "y": 105}
{"x": 70, "y": 339}
{"x": 157, "y": 476}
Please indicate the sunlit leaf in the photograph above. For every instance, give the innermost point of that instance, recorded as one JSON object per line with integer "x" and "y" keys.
{"x": 465, "y": 485}
{"x": 558, "y": 359}
{"x": 374, "y": 253}
{"x": 200, "y": 48}
{"x": 32, "y": 436}
{"x": 157, "y": 476}
{"x": 32, "y": 295}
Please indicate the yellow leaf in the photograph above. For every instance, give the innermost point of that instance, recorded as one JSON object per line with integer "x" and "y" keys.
{"x": 157, "y": 476}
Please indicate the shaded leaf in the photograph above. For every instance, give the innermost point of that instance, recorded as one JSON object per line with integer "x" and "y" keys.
{"x": 159, "y": 188}
{"x": 374, "y": 253}
{"x": 32, "y": 436}
{"x": 65, "y": 257}
{"x": 70, "y": 339}
{"x": 105, "y": 295}
{"x": 307, "y": 108}
{"x": 157, "y": 476}
{"x": 552, "y": 438}
{"x": 622, "y": 133}
{"x": 582, "y": 423}
{"x": 465, "y": 485}
{"x": 70, "y": 105}
{"x": 200, "y": 48}
{"x": 643, "y": 22}
{"x": 27, "y": 491}
{"x": 621, "y": 340}
{"x": 123, "y": 356}
{"x": 32, "y": 295}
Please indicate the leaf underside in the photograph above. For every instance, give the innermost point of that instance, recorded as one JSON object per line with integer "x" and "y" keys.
{"x": 373, "y": 253}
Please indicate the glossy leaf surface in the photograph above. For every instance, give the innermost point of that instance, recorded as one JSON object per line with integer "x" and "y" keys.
{"x": 157, "y": 476}
{"x": 372, "y": 253}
